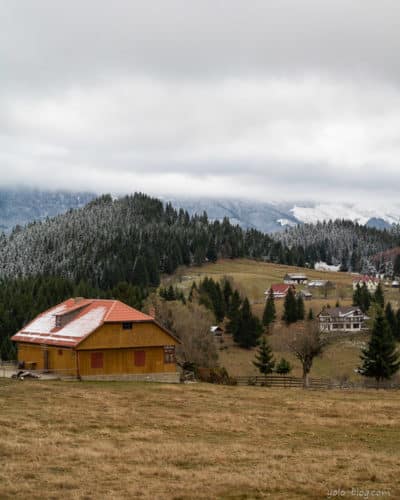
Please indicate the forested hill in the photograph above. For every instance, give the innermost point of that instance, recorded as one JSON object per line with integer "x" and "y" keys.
{"x": 131, "y": 239}
{"x": 340, "y": 242}
{"x": 136, "y": 238}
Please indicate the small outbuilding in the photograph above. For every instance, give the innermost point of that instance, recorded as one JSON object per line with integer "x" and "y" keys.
{"x": 98, "y": 339}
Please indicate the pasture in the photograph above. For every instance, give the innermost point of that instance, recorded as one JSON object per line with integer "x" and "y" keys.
{"x": 76, "y": 440}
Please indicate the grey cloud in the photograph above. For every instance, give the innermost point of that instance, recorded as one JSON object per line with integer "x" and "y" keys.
{"x": 266, "y": 99}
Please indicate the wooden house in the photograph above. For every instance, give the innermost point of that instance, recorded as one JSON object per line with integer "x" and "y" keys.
{"x": 342, "y": 319}
{"x": 295, "y": 279}
{"x": 279, "y": 290}
{"x": 98, "y": 339}
{"x": 369, "y": 281}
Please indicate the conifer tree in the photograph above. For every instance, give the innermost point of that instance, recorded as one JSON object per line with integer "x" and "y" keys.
{"x": 391, "y": 318}
{"x": 283, "y": 367}
{"x": 234, "y": 313}
{"x": 227, "y": 293}
{"x": 290, "y": 307}
{"x": 300, "y": 307}
{"x": 269, "y": 315}
{"x": 380, "y": 359}
{"x": 379, "y": 297}
{"x": 249, "y": 327}
{"x": 264, "y": 358}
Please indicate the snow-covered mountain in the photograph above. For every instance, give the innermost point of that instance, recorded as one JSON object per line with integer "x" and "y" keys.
{"x": 272, "y": 217}
{"x": 20, "y": 206}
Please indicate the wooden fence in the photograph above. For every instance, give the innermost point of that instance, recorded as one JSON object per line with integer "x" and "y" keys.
{"x": 284, "y": 381}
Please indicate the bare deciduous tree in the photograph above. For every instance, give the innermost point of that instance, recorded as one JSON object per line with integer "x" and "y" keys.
{"x": 191, "y": 324}
{"x": 305, "y": 344}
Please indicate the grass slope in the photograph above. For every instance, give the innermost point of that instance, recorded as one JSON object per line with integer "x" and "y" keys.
{"x": 130, "y": 440}
{"x": 252, "y": 278}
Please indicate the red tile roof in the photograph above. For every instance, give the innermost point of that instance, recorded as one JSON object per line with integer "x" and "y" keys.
{"x": 89, "y": 315}
{"x": 281, "y": 288}
{"x": 366, "y": 279}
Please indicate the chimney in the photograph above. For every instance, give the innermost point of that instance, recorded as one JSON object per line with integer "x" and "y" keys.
{"x": 78, "y": 299}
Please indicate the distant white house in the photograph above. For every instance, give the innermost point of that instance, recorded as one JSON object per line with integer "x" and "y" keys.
{"x": 395, "y": 284}
{"x": 295, "y": 279}
{"x": 216, "y": 330}
{"x": 317, "y": 283}
{"x": 342, "y": 319}
{"x": 369, "y": 281}
{"x": 279, "y": 290}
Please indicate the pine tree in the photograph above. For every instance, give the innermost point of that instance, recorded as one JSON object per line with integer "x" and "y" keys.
{"x": 290, "y": 307}
{"x": 234, "y": 313}
{"x": 300, "y": 307}
{"x": 380, "y": 359}
{"x": 396, "y": 266}
{"x": 379, "y": 297}
{"x": 269, "y": 315}
{"x": 264, "y": 358}
{"x": 283, "y": 367}
{"x": 249, "y": 327}
{"x": 391, "y": 318}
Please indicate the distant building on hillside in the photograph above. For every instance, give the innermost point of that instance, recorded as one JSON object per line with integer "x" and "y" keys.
{"x": 295, "y": 279}
{"x": 395, "y": 284}
{"x": 305, "y": 294}
{"x": 369, "y": 281}
{"x": 317, "y": 283}
{"x": 342, "y": 319}
{"x": 279, "y": 290}
{"x": 216, "y": 330}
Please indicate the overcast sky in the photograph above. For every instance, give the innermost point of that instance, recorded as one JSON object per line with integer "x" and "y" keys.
{"x": 272, "y": 100}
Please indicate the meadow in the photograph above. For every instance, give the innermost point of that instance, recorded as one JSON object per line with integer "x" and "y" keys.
{"x": 341, "y": 358}
{"x": 76, "y": 440}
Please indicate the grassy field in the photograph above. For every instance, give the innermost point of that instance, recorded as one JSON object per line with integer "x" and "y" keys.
{"x": 75, "y": 440}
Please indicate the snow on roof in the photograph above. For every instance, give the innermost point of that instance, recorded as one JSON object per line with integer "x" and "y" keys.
{"x": 90, "y": 314}
{"x": 45, "y": 322}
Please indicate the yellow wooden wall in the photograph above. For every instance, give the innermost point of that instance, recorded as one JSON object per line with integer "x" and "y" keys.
{"x": 118, "y": 348}
{"x": 122, "y": 361}
{"x": 111, "y": 335}
{"x": 64, "y": 363}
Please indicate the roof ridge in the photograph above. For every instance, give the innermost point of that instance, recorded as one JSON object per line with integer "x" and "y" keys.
{"x": 114, "y": 301}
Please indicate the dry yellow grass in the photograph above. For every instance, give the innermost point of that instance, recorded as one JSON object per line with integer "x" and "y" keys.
{"x": 124, "y": 440}
{"x": 254, "y": 277}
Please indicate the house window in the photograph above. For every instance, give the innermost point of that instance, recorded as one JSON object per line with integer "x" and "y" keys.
{"x": 356, "y": 325}
{"x": 60, "y": 352}
{"x": 140, "y": 358}
{"x": 348, "y": 326}
{"x": 127, "y": 325}
{"x": 169, "y": 354}
{"x": 96, "y": 360}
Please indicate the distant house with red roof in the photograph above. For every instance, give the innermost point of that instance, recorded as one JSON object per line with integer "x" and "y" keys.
{"x": 369, "y": 281}
{"x": 98, "y": 339}
{"x": 279, "y": 290}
